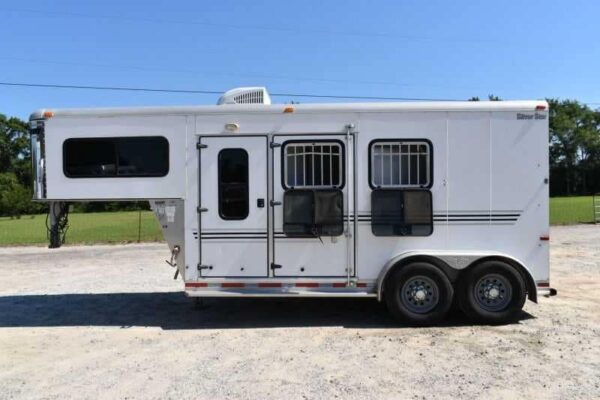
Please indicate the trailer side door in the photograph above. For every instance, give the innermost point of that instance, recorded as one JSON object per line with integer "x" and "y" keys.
{"x": 312, "y": 199}
{"x": 233, "y": 210}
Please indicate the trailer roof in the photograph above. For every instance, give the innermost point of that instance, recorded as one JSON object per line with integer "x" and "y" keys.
{"x": 456, "y": 106}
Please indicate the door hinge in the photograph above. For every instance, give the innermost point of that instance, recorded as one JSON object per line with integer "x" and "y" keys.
{"x": 273, "y": 145}
{"x": 201, "y": 145}
{"x": 275, "y": 266}
{"x": 201, "y": 209}
{"x": 274, "y": 203}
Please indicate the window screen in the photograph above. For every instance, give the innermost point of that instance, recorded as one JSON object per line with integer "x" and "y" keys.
{"x": 313, "y": 165}
{"x": 313, "y": 212}
{"x": 400, "y": 164}
{"x": 298, "y": 212}
{"x": 329, "y": 212}
{"x": 401, "y": 213}
{"x": 116, "y": 157}
{"x": 233, "y": 184}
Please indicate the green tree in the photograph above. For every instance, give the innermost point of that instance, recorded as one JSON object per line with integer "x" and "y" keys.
{"x": 15, "y": 169}
{"x": 15, "y": 154}
{"x": 574, "y": 146}
{"x": 15, "y": 199}
{"x": 491, "y": 97}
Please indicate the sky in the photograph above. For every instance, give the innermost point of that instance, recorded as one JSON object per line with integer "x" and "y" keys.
{"x": 410, "y": 49}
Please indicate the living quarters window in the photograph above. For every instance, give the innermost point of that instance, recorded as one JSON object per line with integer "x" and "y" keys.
{"x": 400, "y": 163}
{"x": 139, "y": 156}
{"x": 233, "y": 184}
{"x": 401, "y": 212}
{"x": 313, "y": 165}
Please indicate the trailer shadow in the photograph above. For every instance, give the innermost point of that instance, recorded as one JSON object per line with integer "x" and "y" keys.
{"x": 173, "y": 310}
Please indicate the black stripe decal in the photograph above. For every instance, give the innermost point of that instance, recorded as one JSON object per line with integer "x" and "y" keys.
{"x": 234, "y": 238}
{"x": 233, "y": 233}
{"x": 461, "y": 219}
{"x": 476, "y": 220}
{"x": 477, "y": 215}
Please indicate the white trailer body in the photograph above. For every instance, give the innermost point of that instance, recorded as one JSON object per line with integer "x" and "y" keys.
{"x": 317, "y": 199}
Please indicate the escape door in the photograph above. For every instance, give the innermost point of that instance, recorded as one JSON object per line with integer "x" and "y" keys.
{"x": 312, "y": 201}
{"x": 233, "y": 206}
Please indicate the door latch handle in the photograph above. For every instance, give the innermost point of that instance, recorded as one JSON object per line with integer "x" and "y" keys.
{"x": 201, "y": 267}
{"x": 202, "y": 209}
{"x": 275, "y": 266}
{"x": 274, "y": 203}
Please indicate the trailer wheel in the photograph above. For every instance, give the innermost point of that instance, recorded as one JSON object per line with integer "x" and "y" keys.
{"x": 492, "y": 292}
{"x": 418, "y": 293}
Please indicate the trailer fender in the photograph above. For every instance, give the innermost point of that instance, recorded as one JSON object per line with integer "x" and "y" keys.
{"x": 452, "y": 264}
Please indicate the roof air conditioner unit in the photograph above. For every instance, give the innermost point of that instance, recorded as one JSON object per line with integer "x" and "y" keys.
{"x": 245, "y": 95}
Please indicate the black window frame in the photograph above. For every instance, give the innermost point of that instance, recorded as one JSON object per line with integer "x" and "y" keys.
{"x": 116, "y": 139}
{"x": 408, "y": 140}
{"x": 220, "y": 184}
{"x": 401, "y": 190}
{"x": 342, "y": 169}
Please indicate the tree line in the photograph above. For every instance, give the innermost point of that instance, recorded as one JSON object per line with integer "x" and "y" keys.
{"x": 574, "y": 144}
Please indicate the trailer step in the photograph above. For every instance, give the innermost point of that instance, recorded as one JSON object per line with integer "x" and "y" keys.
{"x": 547, "y": 292}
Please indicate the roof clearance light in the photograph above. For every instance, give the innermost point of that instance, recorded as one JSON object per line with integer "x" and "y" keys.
{"x": 232, "y": 127}
{"x": 540, "y": 107}
{"x": 288, "y": 110}
{"x": 48, "y": 114}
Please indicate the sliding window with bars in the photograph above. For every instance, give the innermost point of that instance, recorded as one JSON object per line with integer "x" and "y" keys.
{"x": 400, "y": 164}
{"x": 313, "y": 165}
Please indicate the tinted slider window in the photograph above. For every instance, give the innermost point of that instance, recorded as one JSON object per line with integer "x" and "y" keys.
{"x": 233, "y": 184}
{"x": 116, "y": 157}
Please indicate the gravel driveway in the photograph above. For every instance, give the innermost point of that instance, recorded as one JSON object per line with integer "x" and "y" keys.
{"x": 110, "y": 322}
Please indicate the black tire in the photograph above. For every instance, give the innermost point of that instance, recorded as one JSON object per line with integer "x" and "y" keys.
{"x": 476, "y": 284}
{"x": 405, "y": 288}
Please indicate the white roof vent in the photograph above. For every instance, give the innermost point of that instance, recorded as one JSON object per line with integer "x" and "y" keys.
{"x": 245, "y": 95}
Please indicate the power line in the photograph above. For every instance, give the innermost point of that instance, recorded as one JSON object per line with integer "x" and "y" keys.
{"x": 198, "y": 72}
{"x": 219, "y": 92}
{"x": 188, "y": 91}
{"x": 295, "y": 30}
{"x": 131, "y": 89}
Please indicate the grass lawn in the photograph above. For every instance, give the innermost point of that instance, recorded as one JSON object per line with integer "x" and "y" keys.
{"x": 106, "y": 227}
{"x": 571, "y": 210}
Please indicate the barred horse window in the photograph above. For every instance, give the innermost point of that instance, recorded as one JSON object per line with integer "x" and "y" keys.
{"x": 398, "y": 164}
{"x": 313, "y": 165}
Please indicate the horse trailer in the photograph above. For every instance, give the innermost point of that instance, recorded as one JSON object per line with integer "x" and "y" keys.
{"x": 420, "y": 205}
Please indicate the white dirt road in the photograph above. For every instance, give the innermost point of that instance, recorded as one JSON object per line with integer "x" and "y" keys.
{"x": 110, "y": 322}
